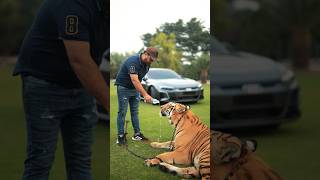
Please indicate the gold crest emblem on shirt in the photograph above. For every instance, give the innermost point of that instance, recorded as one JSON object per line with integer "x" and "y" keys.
{"x": 72, "y": 24}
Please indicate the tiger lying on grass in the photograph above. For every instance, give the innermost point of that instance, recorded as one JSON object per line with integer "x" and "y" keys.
{"x": 191, "y": 144}
{"x": 231, "y": 159}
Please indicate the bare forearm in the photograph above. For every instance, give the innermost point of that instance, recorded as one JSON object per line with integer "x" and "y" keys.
{"x": 90, "y": 77}
{"x": 87, "y": 70}
{"x": 135, "y": 81}
{"x": 139, "y": 87}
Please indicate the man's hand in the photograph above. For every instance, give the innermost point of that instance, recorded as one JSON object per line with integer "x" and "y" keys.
{"x": 135, "y": 81}
{"x": 147, "y": 98}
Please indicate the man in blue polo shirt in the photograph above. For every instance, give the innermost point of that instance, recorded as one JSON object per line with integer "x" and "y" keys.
{"x": 58, "y": 63}
{"x": 129, "y": 88}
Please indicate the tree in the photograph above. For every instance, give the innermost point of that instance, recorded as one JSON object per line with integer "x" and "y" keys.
{"x": 191, "y": 37}
{"x": 219, "y": 20}
{"x": 9, "y": 26}
{"x": 169, "y": 56}
{"x": 298, "y": 17}
{"x": 15, "y": 19}
{"x": 198, "y": 69}
{"x": 116, "y": 59}
{"x": 202, "y": 64}
{"x": 182, "y": 41}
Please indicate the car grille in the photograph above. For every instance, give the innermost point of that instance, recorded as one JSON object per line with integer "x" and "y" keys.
{"x": 182, "y": 96}
{"x": 189, "y": 93}
{"x": 176, "y": 96}
{"x": 184, "y": 89}
{"x": 252, "y": 100}
{"x": 249, "y": 106}
{"x": 262, "y": 84}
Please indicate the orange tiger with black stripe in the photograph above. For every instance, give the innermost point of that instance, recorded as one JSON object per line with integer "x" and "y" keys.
{"x": 190, "y": 145}
{"x": 234, "y": 159}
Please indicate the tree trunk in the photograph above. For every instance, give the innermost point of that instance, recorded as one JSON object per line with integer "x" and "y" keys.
{"x": 301, "y": 47}
{"x": 204, "y": 76}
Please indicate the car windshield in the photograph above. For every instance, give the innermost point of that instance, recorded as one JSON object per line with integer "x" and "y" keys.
{"x": 163, "y": 74}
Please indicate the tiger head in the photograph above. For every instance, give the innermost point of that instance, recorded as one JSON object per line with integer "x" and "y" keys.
{"x": 171, "y": 109}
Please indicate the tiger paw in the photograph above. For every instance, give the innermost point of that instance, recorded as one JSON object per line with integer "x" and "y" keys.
{"x": 151, "y": 162}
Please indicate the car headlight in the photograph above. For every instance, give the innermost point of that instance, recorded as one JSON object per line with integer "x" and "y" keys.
{"x": 200, "y": 86}
{"x": 167, "y": 88}
{"x": 287, "y": 76}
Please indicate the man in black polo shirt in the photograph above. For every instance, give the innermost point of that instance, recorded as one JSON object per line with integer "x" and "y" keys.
{"x": 58, "y": 63}
{"x": 129, "y": 89}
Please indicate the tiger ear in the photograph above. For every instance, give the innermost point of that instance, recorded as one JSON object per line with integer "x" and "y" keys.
{"x": 179, "y": 108}
{"x": 186, "y": 108}
{"x": 183, "y": 109}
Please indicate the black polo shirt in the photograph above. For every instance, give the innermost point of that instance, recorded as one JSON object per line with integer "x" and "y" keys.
{"x": 43, "y": 54}
{"x": 133, "y": 65}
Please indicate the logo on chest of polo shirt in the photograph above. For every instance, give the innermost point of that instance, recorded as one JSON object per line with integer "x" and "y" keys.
{"x": 71, "y": 24}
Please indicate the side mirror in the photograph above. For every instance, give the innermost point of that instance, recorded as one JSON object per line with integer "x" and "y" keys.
{"x": 145, "y": 78}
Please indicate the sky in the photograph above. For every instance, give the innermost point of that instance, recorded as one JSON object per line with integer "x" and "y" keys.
{"x": 130, "y": 19}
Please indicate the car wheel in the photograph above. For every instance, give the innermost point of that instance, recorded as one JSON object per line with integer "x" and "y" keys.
{"x": 153, "y": 92}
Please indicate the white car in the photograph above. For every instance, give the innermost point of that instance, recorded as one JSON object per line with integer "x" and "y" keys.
{"x": 166, "y": 85}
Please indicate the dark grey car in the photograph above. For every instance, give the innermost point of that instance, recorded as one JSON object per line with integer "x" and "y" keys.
{"x": 166, "y": 85}
{"x": 250, "y": 90}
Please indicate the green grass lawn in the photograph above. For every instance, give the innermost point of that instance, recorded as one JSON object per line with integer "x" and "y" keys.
{"x": 292, "y": 149}
{"x": 13, "y": 135}
{"x": 126, "y": 166}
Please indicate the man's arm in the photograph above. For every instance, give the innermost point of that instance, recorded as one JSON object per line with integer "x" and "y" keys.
{"x": 135, "y": 81}
{"x": 87, "y": 70}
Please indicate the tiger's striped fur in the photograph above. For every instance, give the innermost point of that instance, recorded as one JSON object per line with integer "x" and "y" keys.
{"x": 191, "y": 144}
{"x": 233, "y": 159}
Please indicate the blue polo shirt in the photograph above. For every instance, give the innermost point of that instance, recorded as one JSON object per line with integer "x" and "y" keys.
{"x": 43, "y": 54}
{"x": 133, "y": 65}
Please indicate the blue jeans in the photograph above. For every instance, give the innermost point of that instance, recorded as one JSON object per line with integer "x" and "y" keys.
{"x": 48, "y": 109}
{"x": 132, "y": 97}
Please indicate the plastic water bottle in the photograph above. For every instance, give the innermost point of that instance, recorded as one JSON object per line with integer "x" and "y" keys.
{"x": 155, "y": 101}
